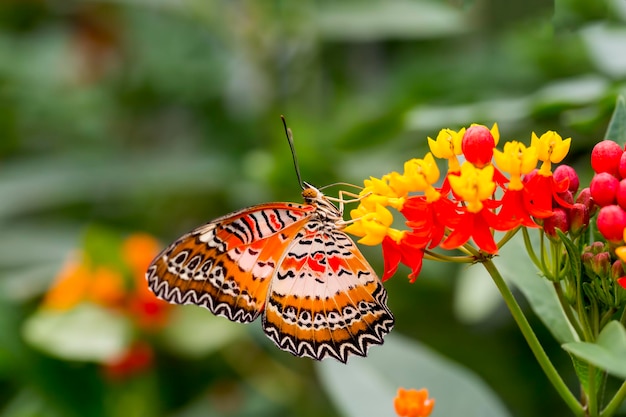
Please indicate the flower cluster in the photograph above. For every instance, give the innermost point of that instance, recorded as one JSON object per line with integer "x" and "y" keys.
{"x": 488, "y": 190}
{"x": 116, "y": 285}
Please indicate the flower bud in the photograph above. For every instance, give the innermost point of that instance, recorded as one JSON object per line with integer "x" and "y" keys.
{"x": 579, "y": 219}
{"x": 606, "y": 156}
{"x": 621, "y": 194}
{"x": 585, "y": 198}
{"x": 604, "y": 188}
{"x": 596, "y": 248}
{"x": 477, "y": 145}
{"x": 601, "y": 264}
{"x": 566, "y": 196}
{"x": 617, "y": 270}
{"x": 622, "y": 165}
{"x": 558, "y": 220}
{"x": 611, "y": 222}
{"x": 566, "y": 171}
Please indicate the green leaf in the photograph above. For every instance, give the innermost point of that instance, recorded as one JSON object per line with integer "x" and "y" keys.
{"x": 582, "y": 371}
{"x": 195, "y": 332}
{"x": 367, "y": 386}
{"x": 515, "y": 267}
{"x": 609, "y": 351}
{"x": 389, "y": 20}
{"x": 86, "y": 333}
{"x": 617, "y": 126}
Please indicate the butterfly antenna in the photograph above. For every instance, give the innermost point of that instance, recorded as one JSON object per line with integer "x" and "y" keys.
{"x": 293, "y": 151}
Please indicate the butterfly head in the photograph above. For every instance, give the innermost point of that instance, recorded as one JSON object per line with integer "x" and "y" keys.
{"x": 312, "y": 195}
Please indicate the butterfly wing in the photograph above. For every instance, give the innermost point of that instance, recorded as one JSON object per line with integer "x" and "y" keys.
{"x": 226, "y": 264}
{"x": 325, "y": 299}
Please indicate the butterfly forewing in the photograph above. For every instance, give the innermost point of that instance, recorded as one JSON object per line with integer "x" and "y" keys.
{"x": 226, "y": 265}
{"x": 325, "y": 299}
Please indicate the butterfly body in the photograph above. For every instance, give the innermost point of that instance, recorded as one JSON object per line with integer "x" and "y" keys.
{"x": 291, "y": 263}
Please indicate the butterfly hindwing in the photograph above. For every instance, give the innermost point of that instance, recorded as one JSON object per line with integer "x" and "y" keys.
{"x": 325, "y": 299}
{"x": 226, "y": 265}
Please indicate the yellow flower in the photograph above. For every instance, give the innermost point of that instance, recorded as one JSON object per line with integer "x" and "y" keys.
{"x": 448, "y": 146}
{"x": 474, "y": 185}
{"x": 517, "y": 160}
{"x": 372, "y": 226}
{"x": 421, "y": 173}
{"x": 551, "y": 148}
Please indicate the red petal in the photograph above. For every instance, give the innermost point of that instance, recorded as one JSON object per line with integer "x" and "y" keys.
{"x": 482, "y": 232}
{"x": 461, "y": 234}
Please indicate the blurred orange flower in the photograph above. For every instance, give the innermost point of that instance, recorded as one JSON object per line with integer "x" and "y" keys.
{"x": 413, "y": 403}
{"x": 110, "y": 286}
{"x": 78, "y": 282}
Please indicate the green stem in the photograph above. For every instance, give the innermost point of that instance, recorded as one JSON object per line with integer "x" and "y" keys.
{"x": 533, "y": 342}
{"x": 434, "y": 256}
{"x": 615, "y": 402}
{"x": 530, "y": 248}
{"x": 567, "y": 309}
{"x": 592, "y": 397}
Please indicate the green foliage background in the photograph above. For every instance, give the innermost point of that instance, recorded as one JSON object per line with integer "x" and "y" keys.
{"x": 156, "y": 116}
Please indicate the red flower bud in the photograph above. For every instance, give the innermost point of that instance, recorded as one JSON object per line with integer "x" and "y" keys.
{"x": 621, "y": 168}
{"x": 617, "y": 270}
{"x": 606, "y": 156}
{"x": 621, "y": 194}
{"x": 477, "y": 145}
{"x": 584, "y": 197}
{"x": 601, "y": 264}
{"x": 579, "y": 218}
{"x": 559, "y": 220}
{"x": 604, "y": 188}
{"x": 565, "y": 171}
{"x": 565, "y": 196}
{"x": 611, "y": 223}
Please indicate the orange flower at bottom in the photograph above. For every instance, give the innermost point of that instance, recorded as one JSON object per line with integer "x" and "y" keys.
{"x": 413, "y": 403}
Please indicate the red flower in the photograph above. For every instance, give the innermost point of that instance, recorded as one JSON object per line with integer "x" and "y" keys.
{"x": 409, "y": 251}
{"x": 539, "y": 192}
{"x": 136, "y": 359}
{"x": 513, "y": 212}
{"x": 476, "y": 226}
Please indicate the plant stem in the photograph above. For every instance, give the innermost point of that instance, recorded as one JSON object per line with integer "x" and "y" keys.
{"x": 434, "y": 256}
{"x": 567, "y": 309}
{"x": 592, "y": 395}
{"x": 615, "y": 402}
{"x": 530, "y": 248}
{"x": 533, "y": 342}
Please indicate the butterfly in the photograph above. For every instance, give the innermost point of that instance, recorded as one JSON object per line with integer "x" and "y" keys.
{"x": 290, "y": 263}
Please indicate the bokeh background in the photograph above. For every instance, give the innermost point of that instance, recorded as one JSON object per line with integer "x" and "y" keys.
{"x": 130, "y": 120}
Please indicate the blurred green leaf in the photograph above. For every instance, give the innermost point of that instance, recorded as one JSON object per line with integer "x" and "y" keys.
{"x": 608, "y": 352}
{"x": 39, "y": 184}
{"x": 86, "y": 333}
{"x": 400, "y": 19}
{"x": 367, "y": 386}
{"x": 194, "y": 332}
{"x": 606, "y": 45}
{"x": 103, "y": 247}
{"x": 617, "y": 126}
{"x": 28, "y": 403}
